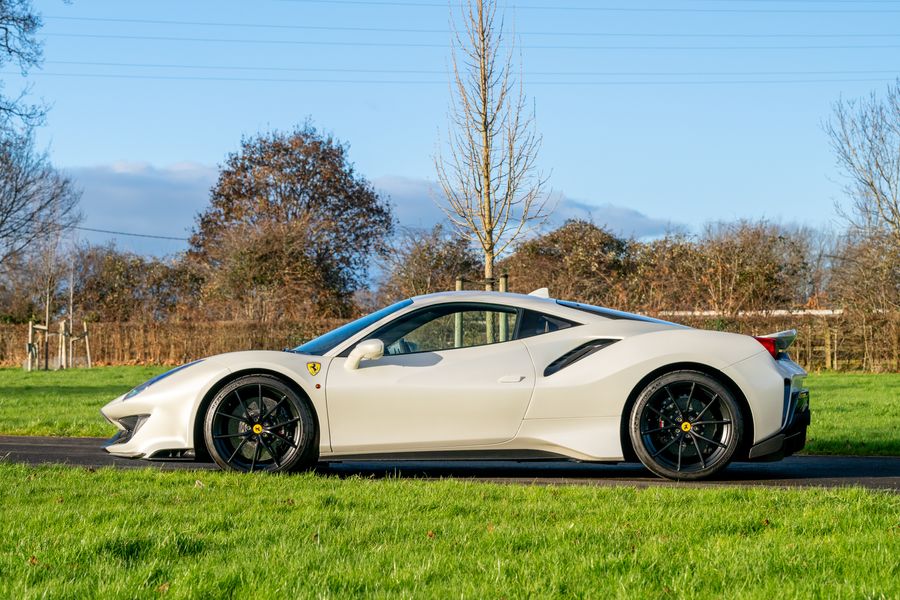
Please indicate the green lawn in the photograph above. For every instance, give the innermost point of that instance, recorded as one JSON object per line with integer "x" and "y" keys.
{"x": 130, "y": 534}
{"x": 852, "y": 413}
{"x": 64, "y": 403}
{"x": 855, "y": 413}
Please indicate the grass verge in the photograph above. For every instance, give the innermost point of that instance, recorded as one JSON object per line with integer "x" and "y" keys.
{"x": 145, "y": 534}
{"x": 64, "y": 403}
{"x": 854, "y": 414}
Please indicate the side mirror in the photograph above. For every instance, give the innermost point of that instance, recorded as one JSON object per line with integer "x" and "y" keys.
{"x": 367, "y": 350}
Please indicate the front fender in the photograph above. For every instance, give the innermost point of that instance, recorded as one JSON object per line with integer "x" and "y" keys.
{"x": 289, "y": 365}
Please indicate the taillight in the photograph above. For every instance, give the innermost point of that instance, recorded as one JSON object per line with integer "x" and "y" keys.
{"x": 769, "y": 344}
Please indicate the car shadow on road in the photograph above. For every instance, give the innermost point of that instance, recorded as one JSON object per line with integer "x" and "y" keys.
{"x": 803, "y": 470}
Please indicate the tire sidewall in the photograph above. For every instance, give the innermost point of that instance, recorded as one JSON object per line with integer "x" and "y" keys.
{"x": 654, "y": 386}
{"x": 307, "y": 453}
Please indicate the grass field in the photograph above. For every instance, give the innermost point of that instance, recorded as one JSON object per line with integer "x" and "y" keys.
{"x": 63, "y": 403}
{"x": 129, "y": 534}
{"x": 855, "y": 414}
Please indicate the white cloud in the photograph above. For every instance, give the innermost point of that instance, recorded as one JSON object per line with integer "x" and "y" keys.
{"x": 141, "y": 198}
{"x": 413, "y": 200}
{"x": 414, "y": 206}
{"x": 624, "y": 221}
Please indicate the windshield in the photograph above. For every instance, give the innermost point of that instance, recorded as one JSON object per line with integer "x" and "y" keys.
{"x": 324, "y": 343}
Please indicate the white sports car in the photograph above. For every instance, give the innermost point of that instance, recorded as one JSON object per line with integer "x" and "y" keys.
{"x": 480, "y": 375}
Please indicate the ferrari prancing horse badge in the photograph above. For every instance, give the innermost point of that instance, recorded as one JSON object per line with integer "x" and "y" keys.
{"x": 313, "y": 368}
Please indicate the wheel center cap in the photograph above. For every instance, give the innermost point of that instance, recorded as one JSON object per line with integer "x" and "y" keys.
{"x": 258, "y": 429}
{"x": 685, "y": 427}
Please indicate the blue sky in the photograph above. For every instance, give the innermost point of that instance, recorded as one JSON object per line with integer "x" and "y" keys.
{"x": 654, "y": 114}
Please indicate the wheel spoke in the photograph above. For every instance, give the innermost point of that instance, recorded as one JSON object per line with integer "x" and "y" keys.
{"x": 691, "y": 393}
{"x": 256, "y": 457}
{"x": 659, "y": 414}
{"x": 244, "y": 406}
{"x": 658, "y": 429}
{"x": 260, "y": 405}
{"x": 284, "y": 439}
{"x": 230, "y": 435}
{"x": 230, "y": 416}
{"x": 709, "y": 441}
{"x": 724, "y": 422}
{"x": 236, "y": 450}
{"x": 274, "y": 408}
{"x": 271, "y": 452}
{"x": 680, "y": 450}
{"x": 699, "y": 454}
{"x": 672, "y": 398}
{"x": 661, "y": 450}
{"x": 279, "y": 425}
{"x": 711, "y": 402}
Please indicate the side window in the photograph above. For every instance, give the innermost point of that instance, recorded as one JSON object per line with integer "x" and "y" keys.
{"x": 447, "y": 327}
{"x": 535, "y": 323}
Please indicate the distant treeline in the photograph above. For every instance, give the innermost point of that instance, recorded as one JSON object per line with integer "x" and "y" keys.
{"x": 146, "y": 309}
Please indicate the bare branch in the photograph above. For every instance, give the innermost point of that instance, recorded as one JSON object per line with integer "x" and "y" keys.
{"x": 19, "y": 45}
{"x": 36, "y": 201}
{"x": 487, "y": 171}
{"x": 865, "y": 136}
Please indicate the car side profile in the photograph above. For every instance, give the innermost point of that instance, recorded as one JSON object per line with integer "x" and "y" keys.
{"x": 480, "y": 375}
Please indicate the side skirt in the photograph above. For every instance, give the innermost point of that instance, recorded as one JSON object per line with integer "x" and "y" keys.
{"x": 451, "y": 455}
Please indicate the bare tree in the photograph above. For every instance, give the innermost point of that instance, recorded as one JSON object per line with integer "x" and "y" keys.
{"x": 488, "y": 172}
{"x": 36, "y": 201}
{"x": 865, "y": 135}
{"x": 425, "y": 261}
{"x": 18, "y": 45}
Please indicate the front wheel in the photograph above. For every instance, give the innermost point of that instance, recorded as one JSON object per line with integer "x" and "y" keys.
{"x": 258, "y": 423}
{"x": 686, "y": 425}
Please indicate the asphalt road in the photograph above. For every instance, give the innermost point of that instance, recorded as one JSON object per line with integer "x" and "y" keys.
{"x": 796, "y": 471}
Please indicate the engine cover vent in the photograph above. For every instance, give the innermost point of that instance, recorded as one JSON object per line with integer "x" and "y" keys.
{"x": 576, "y": 354}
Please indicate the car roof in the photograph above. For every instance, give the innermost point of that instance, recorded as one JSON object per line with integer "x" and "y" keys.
{"x": 538, "y": 303}
{"x": 483, "y": 296}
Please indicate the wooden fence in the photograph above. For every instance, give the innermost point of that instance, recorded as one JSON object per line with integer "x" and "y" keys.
{"x": 842, "y": 342}
{"x": 838, "y": 342}
{"x": 168, "y": 343}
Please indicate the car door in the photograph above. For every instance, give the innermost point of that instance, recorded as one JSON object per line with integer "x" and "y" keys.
{"x": 451, "y": 377}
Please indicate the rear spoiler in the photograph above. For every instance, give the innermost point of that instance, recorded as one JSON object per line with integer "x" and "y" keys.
{"x": 783, "y": 339}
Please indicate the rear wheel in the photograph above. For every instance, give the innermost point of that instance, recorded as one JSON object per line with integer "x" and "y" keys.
{"x": 258, "y": 423}
{"x": 686, "y": 425}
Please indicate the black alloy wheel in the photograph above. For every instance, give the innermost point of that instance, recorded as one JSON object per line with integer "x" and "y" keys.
{"x": 686, "y": 425}
{"x": 258, "y": 423}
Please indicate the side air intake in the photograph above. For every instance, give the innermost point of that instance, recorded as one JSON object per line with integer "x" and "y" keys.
{"x": 576, "y": 354}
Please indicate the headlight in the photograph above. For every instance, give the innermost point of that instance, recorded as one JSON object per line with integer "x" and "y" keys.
{"x": 134, "y": 392}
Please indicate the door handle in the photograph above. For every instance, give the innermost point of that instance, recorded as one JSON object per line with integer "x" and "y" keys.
{"x": 511, "y": 379}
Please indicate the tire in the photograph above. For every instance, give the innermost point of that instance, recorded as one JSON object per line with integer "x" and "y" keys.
{"x": 685, "y": 425}
{"x": 259, "y": 423}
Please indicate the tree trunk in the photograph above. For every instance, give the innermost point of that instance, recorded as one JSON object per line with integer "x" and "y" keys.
{"x": 489, "y": 286}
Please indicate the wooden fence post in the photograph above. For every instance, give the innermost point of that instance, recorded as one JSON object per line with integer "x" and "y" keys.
{"x": 61, "y": 346}
{"x": 457, "y": 320}
{"x": 504, "y": 318}
{"x": 87, "y": 344}
{"x": 29, "y": 348}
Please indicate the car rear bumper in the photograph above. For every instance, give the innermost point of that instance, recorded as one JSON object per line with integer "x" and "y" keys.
{"x": 792, "y": 437}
